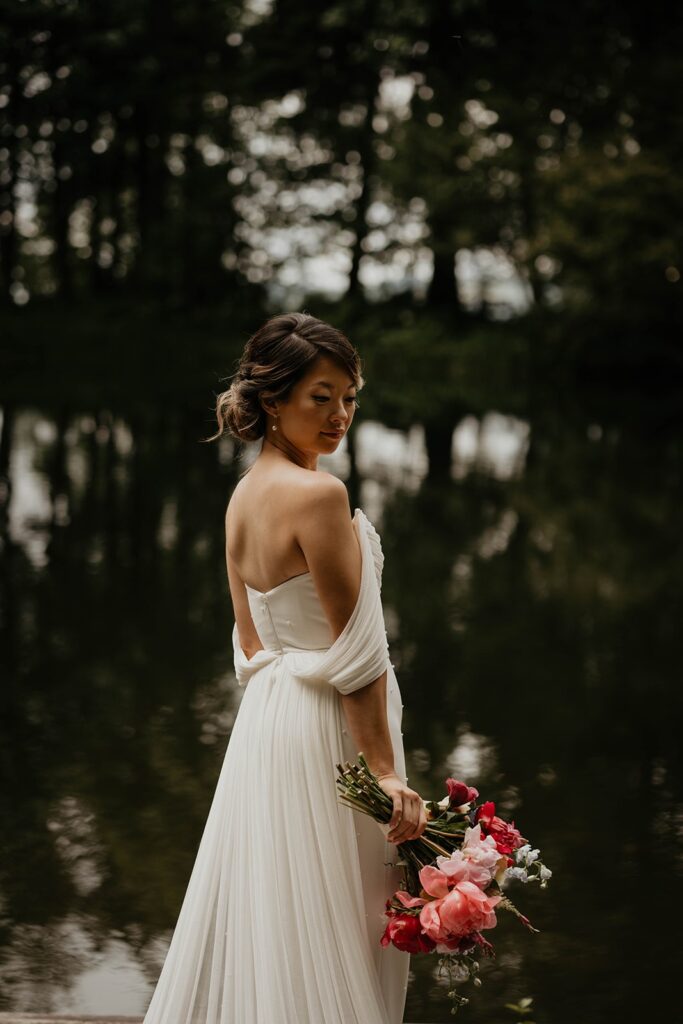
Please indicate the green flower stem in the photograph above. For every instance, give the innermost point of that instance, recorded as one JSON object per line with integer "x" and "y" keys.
{"x": 360, "y": 790}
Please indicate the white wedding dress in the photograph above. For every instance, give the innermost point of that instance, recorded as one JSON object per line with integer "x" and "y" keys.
{"x": 283, "y": 913}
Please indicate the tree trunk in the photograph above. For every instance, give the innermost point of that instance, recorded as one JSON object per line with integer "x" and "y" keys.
{"x": 439, "y": 444}
{"x": 366, "y": 149}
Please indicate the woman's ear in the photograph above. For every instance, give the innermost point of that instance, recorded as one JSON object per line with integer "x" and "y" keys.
{"x": 269, "y": 406}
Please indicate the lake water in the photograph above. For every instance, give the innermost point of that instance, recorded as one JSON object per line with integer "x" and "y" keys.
{"x": 533, "y": 603}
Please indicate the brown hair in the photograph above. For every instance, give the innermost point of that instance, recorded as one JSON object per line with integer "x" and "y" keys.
{"x": 274, "y": 359}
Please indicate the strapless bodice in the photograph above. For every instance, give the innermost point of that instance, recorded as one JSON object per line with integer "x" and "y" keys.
{"x": 290, "y": 615}
{"x": 293, "y": 628}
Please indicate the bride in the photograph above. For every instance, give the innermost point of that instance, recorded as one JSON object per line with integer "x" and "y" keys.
{"x": 283, "y": 913}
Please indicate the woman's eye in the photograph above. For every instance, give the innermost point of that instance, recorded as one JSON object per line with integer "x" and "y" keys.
{"x": 323, "y": 398}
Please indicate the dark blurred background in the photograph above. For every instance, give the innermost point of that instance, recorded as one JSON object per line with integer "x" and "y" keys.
{"x": 487, "y": 197}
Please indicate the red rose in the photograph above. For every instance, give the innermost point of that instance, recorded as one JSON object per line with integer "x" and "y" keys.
{"x": 460, "y": 793}
{"x": 406, "y": 934}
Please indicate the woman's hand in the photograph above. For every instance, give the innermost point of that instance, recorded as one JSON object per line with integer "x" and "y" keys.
{"x": 409, "y": 818}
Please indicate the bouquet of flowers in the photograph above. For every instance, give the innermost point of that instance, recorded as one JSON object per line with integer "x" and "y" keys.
{"x": 454, "y": 874}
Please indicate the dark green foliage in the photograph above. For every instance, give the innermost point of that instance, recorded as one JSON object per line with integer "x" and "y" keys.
{"x": 192, "y": 154}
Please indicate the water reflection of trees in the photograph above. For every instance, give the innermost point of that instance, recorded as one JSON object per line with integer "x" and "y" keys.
{"x": 537, "y": 610}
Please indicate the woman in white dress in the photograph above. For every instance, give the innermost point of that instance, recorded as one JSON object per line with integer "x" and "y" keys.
{"x": 284, "y": 910}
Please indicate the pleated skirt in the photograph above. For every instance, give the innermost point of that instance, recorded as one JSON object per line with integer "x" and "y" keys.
{"x": 283, "y": 912}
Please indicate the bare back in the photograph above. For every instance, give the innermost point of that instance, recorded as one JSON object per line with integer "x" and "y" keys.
{"x": 281, "y": 521}
{"x": 260, "y": 526}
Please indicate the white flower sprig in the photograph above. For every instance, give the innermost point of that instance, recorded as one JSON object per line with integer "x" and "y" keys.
{"x": 528, "y": 868}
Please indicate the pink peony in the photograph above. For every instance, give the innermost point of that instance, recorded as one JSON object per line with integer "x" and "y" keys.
{"x": 434, "y": 882}
{"x": 465, "y": 909}
{"x": 483, "y": 856}
{"x": 477, "y": 861}
{"x": 468, "y": 909}
{"x": 455, "y": 868}
{"x": 430, "y": 919}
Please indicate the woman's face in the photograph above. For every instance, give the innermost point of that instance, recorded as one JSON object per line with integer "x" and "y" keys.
{"x": 318, "y": 411}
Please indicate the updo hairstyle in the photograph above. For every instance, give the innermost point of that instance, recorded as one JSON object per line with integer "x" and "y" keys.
{"x": 277, "y": 356}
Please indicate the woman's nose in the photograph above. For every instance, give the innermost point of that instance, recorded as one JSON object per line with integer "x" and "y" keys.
{"x": 341, "y": 414}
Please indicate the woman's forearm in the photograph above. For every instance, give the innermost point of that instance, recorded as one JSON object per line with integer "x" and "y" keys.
{"x": 366, "y": 715}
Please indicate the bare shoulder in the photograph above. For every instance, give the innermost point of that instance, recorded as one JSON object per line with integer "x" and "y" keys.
{"x": 323, "y": 485}
{"x": 325, "y": 533}
{"x": 297, "y": 492}
{"x": 322, "y": 497}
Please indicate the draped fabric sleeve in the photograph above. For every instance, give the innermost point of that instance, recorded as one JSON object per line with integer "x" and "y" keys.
{"x": 360, "y": 653}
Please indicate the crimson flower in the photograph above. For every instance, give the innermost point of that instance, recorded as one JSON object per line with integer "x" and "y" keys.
{"x": 460, "y": 793}
{"x": 506, "y": 836}
{"x": 405, "y": 932}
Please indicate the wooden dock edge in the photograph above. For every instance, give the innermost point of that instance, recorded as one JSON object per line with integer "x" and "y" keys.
{"x": 62, "y": 1018}
{"x": 68, "y": 1018}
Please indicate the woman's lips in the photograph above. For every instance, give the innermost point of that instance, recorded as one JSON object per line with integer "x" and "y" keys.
{"x": 332, "y": 433}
